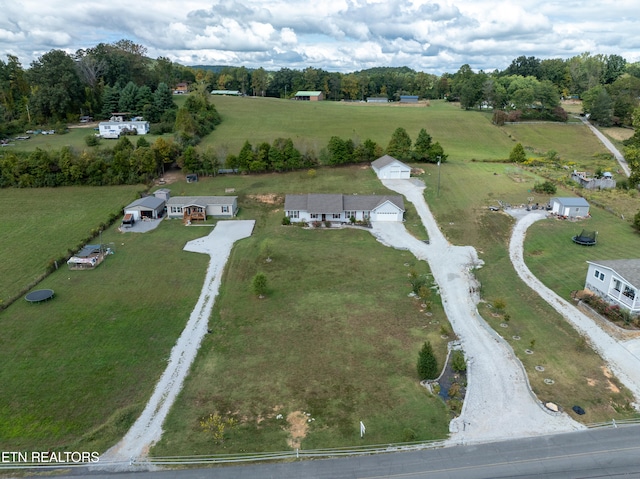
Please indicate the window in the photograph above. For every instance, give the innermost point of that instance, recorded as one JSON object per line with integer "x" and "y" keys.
{"x": 336, "y": 216}
{"x": 225, "y": 209}
{"x": 315, "y": 216}
{"x": 349, "y": 214}
{"x": 617, "y": 285}
{"x": 176, "y": 209}
{"x": 629, "y": 292}
{"x": 366, "y": 214}
{"x": 601, "y": 276}
{"x": 596, "y": 273}
{"x": 293, "y": 214}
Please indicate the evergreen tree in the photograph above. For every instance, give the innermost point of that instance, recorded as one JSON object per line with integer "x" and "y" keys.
{"x": 422, "y": 146}
{"x": 400, "y": 145}
{"x": 110, "y": 100}
{"x": 518, "y": 154}
{"x": 427, "y": 363}
{"x": 127, "y": 101}
{"x": 259, "y": 284}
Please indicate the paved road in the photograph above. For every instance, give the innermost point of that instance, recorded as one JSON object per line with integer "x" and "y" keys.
{"x": 602, "y": 453}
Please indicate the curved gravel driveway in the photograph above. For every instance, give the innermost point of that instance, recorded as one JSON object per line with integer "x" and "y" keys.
{"x": 499, "y": 403}
{"x": 623, "y": 357}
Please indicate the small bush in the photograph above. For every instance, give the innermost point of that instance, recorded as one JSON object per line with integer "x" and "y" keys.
{"x": 458, "y": 362}
{"x": 286, "y": 221}
{"x": 409, "y": 435}
{"x": 92, "y": 140}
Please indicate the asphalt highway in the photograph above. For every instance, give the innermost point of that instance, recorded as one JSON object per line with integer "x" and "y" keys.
{"x": 594, "y": 453}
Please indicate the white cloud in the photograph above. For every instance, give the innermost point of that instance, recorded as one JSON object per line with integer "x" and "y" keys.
{"x": 343, "y": 35}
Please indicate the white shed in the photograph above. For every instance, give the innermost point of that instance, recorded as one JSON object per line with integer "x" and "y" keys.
{"x": 570, "y": 207}
{"x": 388, "y": 168}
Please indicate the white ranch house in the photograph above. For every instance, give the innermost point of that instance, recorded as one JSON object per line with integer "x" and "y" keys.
{"x": 113, "y": 128}
{"x": 570, "y": 207}
{"x": 387, "y": 167}
{"x": 616, "y": 281}
{"x": 201, "y": 207}
{"x": 340, "y": 208}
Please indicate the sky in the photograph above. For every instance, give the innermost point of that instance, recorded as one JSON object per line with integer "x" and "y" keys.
{"x": 334, "y": 35}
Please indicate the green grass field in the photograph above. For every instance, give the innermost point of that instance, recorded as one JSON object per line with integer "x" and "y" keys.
{"x": 328, "y": 301}
{"x": 40, "y": 225}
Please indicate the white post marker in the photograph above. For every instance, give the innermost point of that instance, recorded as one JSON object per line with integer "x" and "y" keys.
{"x": 362, "y": 429}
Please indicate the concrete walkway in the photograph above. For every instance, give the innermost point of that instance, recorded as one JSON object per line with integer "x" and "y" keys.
{"x": 499, "y": 403}
{"x": 148, "y": 427}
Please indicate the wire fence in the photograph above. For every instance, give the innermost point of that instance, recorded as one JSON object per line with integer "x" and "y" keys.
{"x": 152, "y": 462}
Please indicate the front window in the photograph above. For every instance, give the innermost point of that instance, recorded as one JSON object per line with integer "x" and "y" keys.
{"x": 629, "y": 292}
{"x": 176, "y": 209}
{"x": 617, "y": 285}
{"x": 294, "y": 214}
{"x": 315, "y": 216}
{"x": 336, "y": 216}
{"x": 225, "y": 209}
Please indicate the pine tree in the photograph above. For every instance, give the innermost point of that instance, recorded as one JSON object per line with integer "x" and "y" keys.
{"x": 427, "y": 363}
{"x": 422, "y": 146}
{"x": 400, "y": 145}
{"x": 518, "y": 154}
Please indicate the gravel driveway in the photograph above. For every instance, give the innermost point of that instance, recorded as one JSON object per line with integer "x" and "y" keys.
{"x": 499, "y": 403}
{"x": 148, "y": 427}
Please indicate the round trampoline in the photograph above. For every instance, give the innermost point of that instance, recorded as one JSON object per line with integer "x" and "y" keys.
{"x": 39, "y": 295}
{"x": 586, "y": 238}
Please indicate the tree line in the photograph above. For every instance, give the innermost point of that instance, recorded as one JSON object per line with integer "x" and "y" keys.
{"x": 61, "y": 87}
{"x": 134, "y": 160}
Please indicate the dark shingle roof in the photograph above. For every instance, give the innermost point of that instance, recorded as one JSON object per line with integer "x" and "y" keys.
{"x": 337, "y": 203}
{"x": 629, "y": 269}
{"x": 200, "y": 200}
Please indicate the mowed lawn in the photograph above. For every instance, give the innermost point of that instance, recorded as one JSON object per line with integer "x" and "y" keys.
{"x": 336, "y": 338}
{"x": 579, "y": 375}
{"x": 463, "y": 134}
{"x": 77, "y": 370}
{"x": 40, "y": 225}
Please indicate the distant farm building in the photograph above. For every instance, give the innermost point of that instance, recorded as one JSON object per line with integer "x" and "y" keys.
{"x": 408, "y": 99}
{"x": 377, "y": 99}
{"x": 226, "y": 92}
{"x": 387, "y": 167}
{"x": 570, "y": 207}
{"x": 117, "y": 126}
{"x": 181, "y": 89}
{"x": 309, "y": 96}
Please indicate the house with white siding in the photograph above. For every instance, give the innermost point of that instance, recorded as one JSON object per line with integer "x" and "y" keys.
{"x": 616, "y": 281}
{"x": 191, "y": 208}
{"x": 117, "y": 125}
{"x": 340, "y": 208}
{"x": 387, "y": 167}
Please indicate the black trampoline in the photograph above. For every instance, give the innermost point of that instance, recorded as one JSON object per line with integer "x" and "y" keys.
{"x": 586, "y": 238}
{"x": 39, "y": 295}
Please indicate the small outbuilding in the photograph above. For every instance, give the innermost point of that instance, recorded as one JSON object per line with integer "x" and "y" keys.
{"x": 309, "y": 96}
{"x": 408, "y": 99}
{"x": 163, "y": 194}
{"x": 570, "y": 207}
{"x": 150, "y": 207}
{"x": 387, "y": 167}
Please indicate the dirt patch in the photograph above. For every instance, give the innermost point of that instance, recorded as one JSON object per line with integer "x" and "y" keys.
{"x": 591, "y": 382}
{"x": 170, "y": 177}
{"x": 298, "y": 428}
{"x": 608, "y": 374}
{"x": 269, "y": 199}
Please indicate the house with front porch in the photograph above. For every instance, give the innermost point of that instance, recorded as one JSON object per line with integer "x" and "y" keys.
{"x": 340, "y": 208}
{"x": 616, "y": 281}
{"x": 191, "y": 208}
